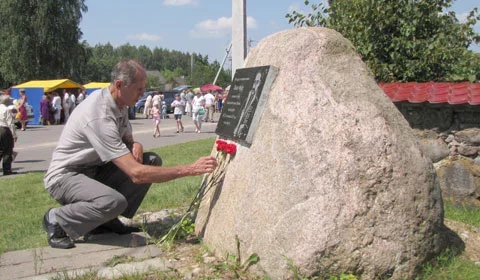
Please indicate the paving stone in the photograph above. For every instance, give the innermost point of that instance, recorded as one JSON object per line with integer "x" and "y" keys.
{"x": 92, "y": 254}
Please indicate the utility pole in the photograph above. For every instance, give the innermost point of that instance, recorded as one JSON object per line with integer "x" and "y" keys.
{"x": 239, "y": 34}
{"x": 191, "y": 64}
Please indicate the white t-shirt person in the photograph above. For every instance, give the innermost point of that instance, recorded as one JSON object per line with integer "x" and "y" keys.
{"x": 209, "y": 99}
{"x": 179, "y": 106}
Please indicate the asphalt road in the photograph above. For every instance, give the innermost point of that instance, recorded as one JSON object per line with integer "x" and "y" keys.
{"x": 36, "y": 144}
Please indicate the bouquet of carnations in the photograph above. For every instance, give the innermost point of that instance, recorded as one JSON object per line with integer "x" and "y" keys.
{"x": 225, "y": 153}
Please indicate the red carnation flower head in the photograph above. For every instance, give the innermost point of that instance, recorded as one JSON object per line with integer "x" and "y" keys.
{"x": 221, "y": 145}
{"x": 231, "y": 149}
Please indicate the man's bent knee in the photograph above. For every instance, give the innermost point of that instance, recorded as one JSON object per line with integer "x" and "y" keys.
{"x": 112, "y": 206}
{"x": 150, "y": 158}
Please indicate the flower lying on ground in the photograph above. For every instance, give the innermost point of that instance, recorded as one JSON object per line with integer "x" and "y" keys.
{"x": 225, "y": 153}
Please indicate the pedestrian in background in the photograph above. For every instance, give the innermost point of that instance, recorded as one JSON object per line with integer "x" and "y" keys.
{"x": 188, "y": 103}
{"x": 73, "y": 102}
{"x": 22, "y": 110}
{"x": 45, "y": 109}
{"x": 179, "y": 105}
{"x": 183, "y": 96}
{"x": 198, "y": 110}
{"x": 57, "y": 107}
{"x": 156, "y": 114}
{"x": 7, "y": 135}
{"x": 81, "y": 96}
{"x": 209, "y": 106}
{"x": 164, "y": 110}
{"x": 219, "y": 101}
{"x": 156, "y": 100}
{"x": 147, "y": 109}
{"x": 66, "y": 105}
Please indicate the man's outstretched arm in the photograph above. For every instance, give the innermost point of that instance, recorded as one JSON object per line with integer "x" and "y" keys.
{"x": 140, "y": 173}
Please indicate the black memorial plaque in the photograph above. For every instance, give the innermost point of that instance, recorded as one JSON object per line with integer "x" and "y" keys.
{"x": 246, "y": 102}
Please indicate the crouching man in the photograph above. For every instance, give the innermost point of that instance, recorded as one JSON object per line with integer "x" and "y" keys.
{"x": 98, "y": 171}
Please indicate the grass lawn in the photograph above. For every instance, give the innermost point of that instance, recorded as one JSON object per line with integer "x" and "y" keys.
{"x": 24, "y": 199}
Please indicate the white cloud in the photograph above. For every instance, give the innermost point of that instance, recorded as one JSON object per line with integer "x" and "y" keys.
{"x": 216, "y": 28}
{"x": 179, "y": 2}
{"x": 145, "y": 37}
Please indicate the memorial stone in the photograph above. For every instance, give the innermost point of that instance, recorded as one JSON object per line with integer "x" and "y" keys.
{"x": 333, "y": 181}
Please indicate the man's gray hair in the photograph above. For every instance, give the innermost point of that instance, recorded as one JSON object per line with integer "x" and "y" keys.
{"x": 125, "y": 71}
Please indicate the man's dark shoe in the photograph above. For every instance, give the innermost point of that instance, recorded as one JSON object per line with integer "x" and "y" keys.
{"x": 9, "y": 173}
{"x": 115, "y": 226}
{"x": 57, "y": 237}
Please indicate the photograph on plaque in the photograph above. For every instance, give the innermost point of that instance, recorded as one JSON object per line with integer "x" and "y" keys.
{"x": 245, "y": 102}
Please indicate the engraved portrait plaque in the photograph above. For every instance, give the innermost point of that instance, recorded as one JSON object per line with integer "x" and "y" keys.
{"x": 245, "y": 103}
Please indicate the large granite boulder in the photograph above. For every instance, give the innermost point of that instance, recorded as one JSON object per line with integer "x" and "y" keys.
{"x": 334, "y": 180}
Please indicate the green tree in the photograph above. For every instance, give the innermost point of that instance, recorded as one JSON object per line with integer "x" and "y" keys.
{"x": 403, "y": 40}
{"x": 102, "y": 58}
{"x": 171, "y": 75}
{"x": 40, "y": 39}
{"x": 170, "y": 63}
{"x": 152, "y": 82}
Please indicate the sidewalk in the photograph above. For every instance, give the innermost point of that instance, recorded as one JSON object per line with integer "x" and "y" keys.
{"x": 100, "y": 254}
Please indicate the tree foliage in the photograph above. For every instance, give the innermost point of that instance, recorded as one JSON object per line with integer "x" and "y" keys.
{"x": 403, "y": 40}
{"x": 40, "y": 39}
{"x": 171, "y": 63}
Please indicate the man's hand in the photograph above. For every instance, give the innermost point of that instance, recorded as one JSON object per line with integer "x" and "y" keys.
{"x": 137, "y": 152}
{"x": 203, "y": 165}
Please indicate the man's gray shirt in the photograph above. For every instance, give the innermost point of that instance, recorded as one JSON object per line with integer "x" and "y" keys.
{"x": 92, "y": 136}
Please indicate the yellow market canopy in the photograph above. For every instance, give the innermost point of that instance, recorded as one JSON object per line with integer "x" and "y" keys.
{"x": 50, "y": 85}
{"x": 96, "y": 85}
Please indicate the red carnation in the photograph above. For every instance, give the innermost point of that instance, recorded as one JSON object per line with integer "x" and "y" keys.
{"x": 231, "y": 149}
{"x": 221, "y": 145}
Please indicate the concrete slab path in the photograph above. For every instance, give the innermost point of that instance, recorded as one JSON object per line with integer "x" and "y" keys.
{"x": 98, "y": 254}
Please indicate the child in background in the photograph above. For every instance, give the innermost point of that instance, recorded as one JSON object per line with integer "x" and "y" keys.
{"x": 179, "y": 105}
{"x": 155, "y": 112}
{"x": 164, "y": 110}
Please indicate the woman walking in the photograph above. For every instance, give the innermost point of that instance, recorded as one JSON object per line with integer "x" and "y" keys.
{"x": 22, "y": 110}
{"x": 45, "y": 109}
{"x": 198, "y": 110}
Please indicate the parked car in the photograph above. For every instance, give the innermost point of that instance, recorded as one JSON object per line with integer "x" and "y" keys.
{"x": 182, "y": 87}
{"x": 14, "y": 111}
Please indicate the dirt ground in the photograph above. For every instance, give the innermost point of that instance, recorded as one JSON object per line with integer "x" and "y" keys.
{"x": 190, "y": 259}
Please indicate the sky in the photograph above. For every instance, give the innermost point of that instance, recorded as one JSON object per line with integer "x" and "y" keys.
{"x": 194, "y": 26}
